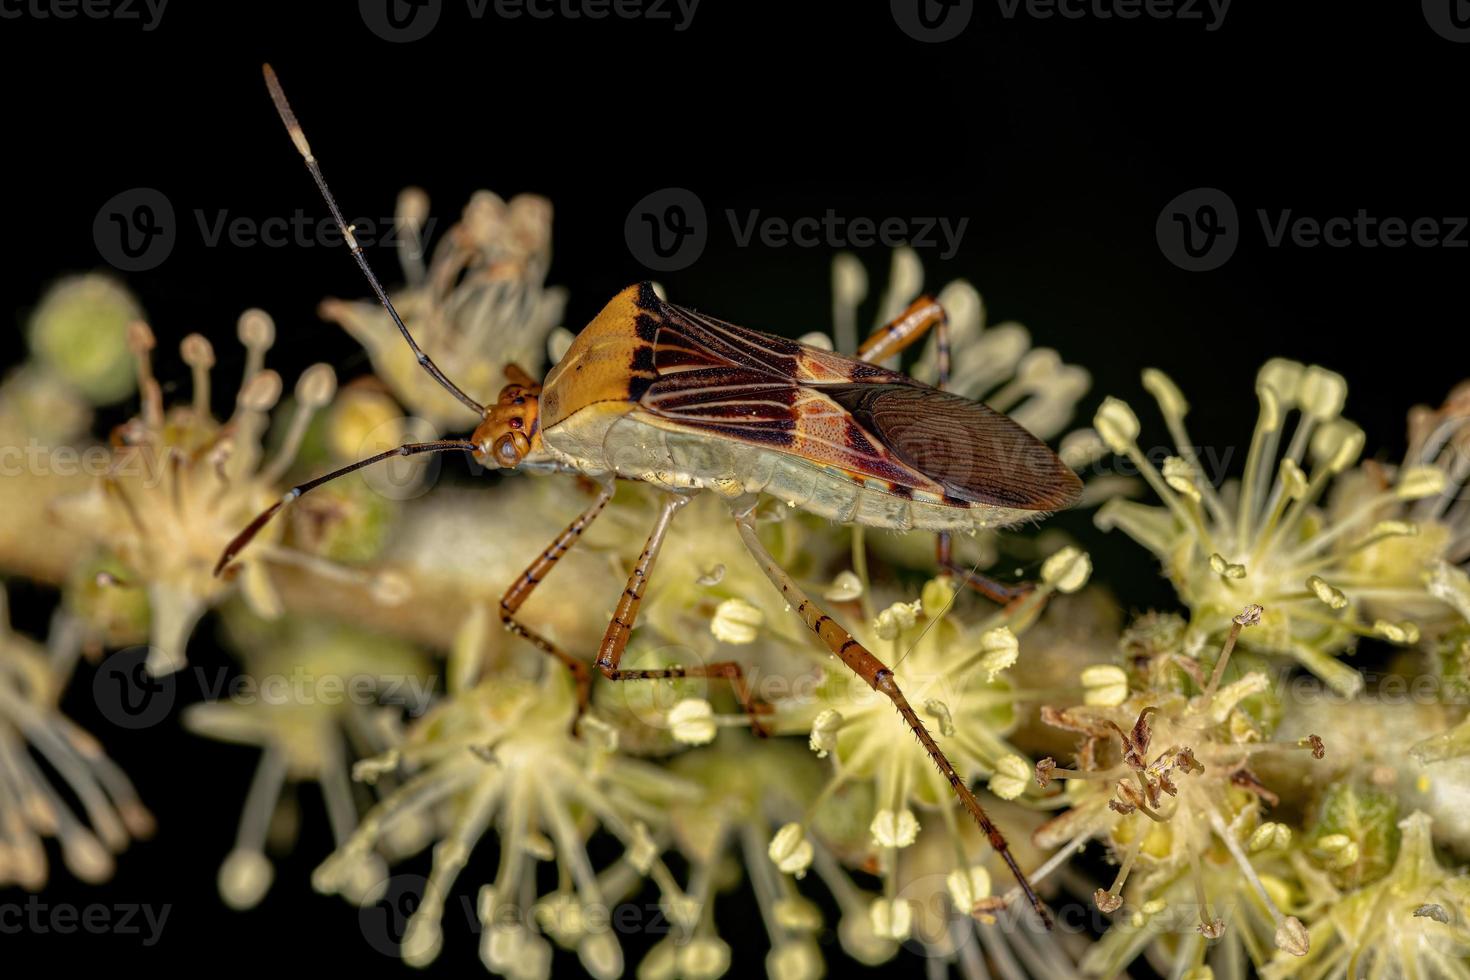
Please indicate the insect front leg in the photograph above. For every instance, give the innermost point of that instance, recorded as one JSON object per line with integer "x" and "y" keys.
{"x": 521, "y": 589}
{"x": 880, "y": 678}
{"x": 620, "y": 629}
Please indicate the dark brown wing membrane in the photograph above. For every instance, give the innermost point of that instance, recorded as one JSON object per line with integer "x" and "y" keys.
{"x": 976, "y": 453}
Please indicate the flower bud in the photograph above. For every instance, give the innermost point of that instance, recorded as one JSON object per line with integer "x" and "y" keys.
{"x": 1105, "y": 686}
{"x": 844, "y": 588}
{"x": 692, "y": 721}
{"x": 1117, "y": 424}
{"x": 1012, "y": 774}
{"x": 967, "y": 886}
{"x": 1333, "y": 597}
{"x": 999, "y": 649}
{"x": 1067, "y": 570}
{"x": 823, "y": 738}
{"x": 790, "y": 851}
{"x": 1166, "y": 393}
{"x": 892, "y": 919}
{"x": 890, "y": 829}
{"x": 736, "y": 621}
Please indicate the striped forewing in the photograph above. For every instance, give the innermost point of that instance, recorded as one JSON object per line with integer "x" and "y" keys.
{"x": 856, "y": 418}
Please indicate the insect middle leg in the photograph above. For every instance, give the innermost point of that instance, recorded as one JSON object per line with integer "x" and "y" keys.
{"x": 521, "y": 589}
{"x": 620, "y": 629}
{"x": 879, "y": 677}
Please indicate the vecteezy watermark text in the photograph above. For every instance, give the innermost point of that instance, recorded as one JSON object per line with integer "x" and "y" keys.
{"x": 1200, "y": 229}
{"x": 401, "y": 21}
{"x": 668, "y": 230}
{"x": 42, "y": 918}
{"x": 148, "y": 13}
{"x": 130, "y": 697}
{"x": 934, "y": 21}
{"x": 136, "y": 230}
{"x": 1209, "y": 12}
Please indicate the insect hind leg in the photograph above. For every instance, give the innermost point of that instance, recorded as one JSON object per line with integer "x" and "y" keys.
{"x": 985, "y": 585}
{"x": 620, "y": 629}
{"x": 878, "y": 676}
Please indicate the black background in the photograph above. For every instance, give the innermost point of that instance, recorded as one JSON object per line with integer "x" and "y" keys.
{"x": 1060, "y": 140}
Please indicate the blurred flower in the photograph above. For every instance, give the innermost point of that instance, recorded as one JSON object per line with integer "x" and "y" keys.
{"x": 749, "y": 795}
{"x": 79, "y": 333}
{"x": 313, "y": 697}
{"x": 181, "y": 484}
{"x": 1412, "y": 922}
{"x": 481, "y": 303}
{"x": 501, "y": 754}
{"x": 37, "y": 405}
{"x": 32, "y": 728}
{"x": 1266, "y": 539}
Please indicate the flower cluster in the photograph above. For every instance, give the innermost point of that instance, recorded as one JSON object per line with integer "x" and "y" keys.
{"x": 1158, "y": 771}
{"x": 1266, "y": 538}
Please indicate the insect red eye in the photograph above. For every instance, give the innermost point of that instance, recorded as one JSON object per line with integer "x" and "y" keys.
{"x": 515, "y": 423}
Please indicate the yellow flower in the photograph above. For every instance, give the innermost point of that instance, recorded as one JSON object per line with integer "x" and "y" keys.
{"x": 1266, "y": 538}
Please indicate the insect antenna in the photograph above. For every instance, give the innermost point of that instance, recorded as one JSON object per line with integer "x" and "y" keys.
{"x": 238, "y": 543}
{"x": 278, "y": 96}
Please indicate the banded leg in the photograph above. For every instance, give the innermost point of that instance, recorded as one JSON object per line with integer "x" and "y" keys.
{"x": 911, "y": 325}
{"x": 984, "y": 584}
{"x": 880, "y": 678}
{"x": 620, "y": 629}
{"x": 922, "y": 315}
{"x": 521, "y": 590}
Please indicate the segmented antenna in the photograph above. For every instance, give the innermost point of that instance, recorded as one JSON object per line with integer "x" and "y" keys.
{"x": 238, "y": 543}
{"x": 278, "y": 96}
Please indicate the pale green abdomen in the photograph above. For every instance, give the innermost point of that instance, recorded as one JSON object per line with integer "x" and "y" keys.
{"x": 633, "y": 445}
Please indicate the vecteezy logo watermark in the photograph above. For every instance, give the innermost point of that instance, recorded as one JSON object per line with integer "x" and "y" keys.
{"x": 145, "y": 12}
{"x": 128, "y": 695}
{"x": 401, "y": 21}
{"x": 136, "y": 230}
{"x": 384, "y": 923}
{"x": 1199, "y": 230}
{"x": 932, "y": 21}
{"x": 667, "y": 230}
{"x": 42, "y": 918}
{"x": 1450, "y": 19}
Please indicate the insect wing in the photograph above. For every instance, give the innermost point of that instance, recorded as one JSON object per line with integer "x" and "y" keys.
{"x": 737, "y": 383}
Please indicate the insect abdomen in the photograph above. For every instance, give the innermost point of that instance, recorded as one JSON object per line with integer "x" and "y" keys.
{"x": 635, "y": 447}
